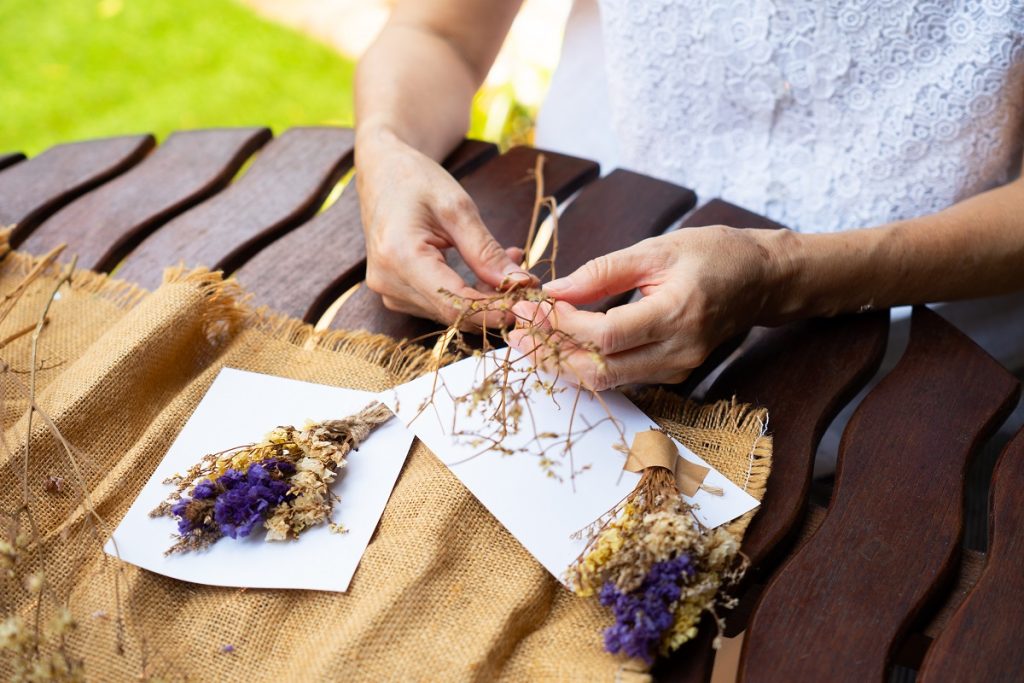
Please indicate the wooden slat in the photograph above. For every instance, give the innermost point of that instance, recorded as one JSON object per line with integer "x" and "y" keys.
{"x": 283, "y": 275}
{"x": 721, "y": 212}
{"x": 33, "y": 190}
{"x": 469, "y": 156}
{"x": 982, "y": 641}
{"x": 803, "y": 373}
{"x": 613, "y": 213}
{"x": 10, "y": 158}
{"x": 835, "y": 609}
{"x": 693, "y": 662}
{"x": 286, "y": 183}
{"x": 103, "y": 226}
{"x": 365, "y": 310}
{"x": 503, "y": 190}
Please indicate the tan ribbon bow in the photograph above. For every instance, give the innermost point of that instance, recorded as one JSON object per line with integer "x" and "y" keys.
{"x": 654, "y": 448}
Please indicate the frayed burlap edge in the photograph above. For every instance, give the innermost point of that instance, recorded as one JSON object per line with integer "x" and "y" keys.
{"x": 229, "y": 308}
{"x": 118, "y": 292}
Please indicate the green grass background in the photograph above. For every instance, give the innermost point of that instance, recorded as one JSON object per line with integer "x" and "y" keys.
{"x": 75, "y": 69}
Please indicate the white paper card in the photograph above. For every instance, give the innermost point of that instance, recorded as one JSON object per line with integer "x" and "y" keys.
{"x": 241, "y": 407}
{"x": 542, "y": 512}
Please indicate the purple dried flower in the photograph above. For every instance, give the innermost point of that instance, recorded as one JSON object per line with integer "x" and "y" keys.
{"x": 643, "y": 616}
{"x": 204, "y": 489}
{"x": 248, "y": 496}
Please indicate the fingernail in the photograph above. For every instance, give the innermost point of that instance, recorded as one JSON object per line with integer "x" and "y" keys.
{"x": 516, "y": 274}
{"x": 559, "y": 285}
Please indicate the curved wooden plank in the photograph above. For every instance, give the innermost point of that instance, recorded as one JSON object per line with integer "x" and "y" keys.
{"x": 803, "y": 373}
{"x": 721, "y": 212}
{"x": 10, "y": 158}
{"x": 286, "y": 183}
{"x": 982, "y": 641}
{"x": 285, "y": 278}
{"x": 613, "y": 213}
{"x": 503, "y": 190}
{"x": 103, "y": 226}
{"x": 32, "y": 191}
{"x": 365, "y": 310}
{"x": 835, "y": 609}
{"x": 469, "y": 156}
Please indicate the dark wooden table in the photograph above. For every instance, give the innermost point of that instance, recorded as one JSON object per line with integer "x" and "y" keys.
{"x": 841, "y": 592}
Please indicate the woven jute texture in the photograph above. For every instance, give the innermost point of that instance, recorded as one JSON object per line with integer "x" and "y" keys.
{"x": 443, "y": 592}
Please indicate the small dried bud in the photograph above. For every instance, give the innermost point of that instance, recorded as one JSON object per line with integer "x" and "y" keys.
{"x": 54, "y": 484}
{"x": 34, "y": 582}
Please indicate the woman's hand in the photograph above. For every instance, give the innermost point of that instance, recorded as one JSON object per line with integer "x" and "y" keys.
{"x": 700, "y": 286}
{"x": 413, "y": 211}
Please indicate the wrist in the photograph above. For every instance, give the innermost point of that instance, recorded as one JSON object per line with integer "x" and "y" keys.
{"x": 784, "y": 260}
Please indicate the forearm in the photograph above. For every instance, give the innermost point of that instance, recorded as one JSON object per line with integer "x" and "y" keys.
{"x": 412, "y": 85}
{"x": 417, "y": 80}
{"x": 973, "y": 249}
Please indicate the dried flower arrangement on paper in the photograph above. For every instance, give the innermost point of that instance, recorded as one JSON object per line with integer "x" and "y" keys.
{"x": 656, "y": 568}
{"x": 648, "y": 559}
{"x": 281, "y": 483}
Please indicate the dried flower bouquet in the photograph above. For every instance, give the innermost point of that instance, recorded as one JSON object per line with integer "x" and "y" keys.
{"x": 282, "y": 483}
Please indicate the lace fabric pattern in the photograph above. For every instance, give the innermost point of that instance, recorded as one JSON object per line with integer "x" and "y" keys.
{"x": 822, "y": 115}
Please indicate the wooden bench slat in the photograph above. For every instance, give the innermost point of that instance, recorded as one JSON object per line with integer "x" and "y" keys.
{"x": 613, "y": 213}
{"x": 804, "y": 373}
{"x": 286, "y": 278}
{"x": 285, "y": 185}
{"x": 982, "y": 640}
{"x": 836, "y": 608}
{"x": 33, "y": 190}
{"x": 10, "y": 158}
{"x": 103, "y": 226}
{"x": 503, "y": 190}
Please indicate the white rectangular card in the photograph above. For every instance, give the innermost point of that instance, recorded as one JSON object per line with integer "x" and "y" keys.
{"x": 241, "y": 407}
{"x": 540, "y": 511}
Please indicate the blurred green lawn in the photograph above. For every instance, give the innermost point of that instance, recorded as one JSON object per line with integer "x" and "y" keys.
{"x": 75, "y": 69}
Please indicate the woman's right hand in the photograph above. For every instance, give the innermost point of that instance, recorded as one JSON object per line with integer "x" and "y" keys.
{"x": 413, "y": 211}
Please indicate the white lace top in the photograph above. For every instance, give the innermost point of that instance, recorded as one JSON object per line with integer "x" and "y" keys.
{"x": 820, "y": 115}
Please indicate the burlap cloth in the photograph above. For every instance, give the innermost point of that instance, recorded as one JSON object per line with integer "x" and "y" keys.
{"x": 443, "y": 592}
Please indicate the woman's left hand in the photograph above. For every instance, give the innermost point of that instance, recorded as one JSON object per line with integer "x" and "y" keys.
{"x": 700, "y": 286}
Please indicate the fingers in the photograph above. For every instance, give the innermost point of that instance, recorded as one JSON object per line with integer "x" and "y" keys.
{"x": 637, "y": 342}
{"x": 482, "y": 253}
{"x": 658, "y": 363}
{"x": 432, "y": 275}
{"x": 613, "y": 273}
{"x": 620, "y": 328}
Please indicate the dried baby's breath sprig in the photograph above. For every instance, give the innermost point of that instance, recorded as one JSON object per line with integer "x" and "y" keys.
{"x": 282, "y": 482}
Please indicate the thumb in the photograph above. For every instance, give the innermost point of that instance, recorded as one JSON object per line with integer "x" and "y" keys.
{"x": 491, "y": 262}
{"x": 604, "y": 276}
